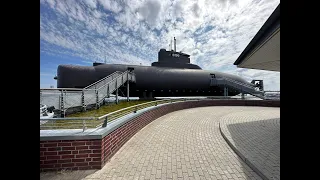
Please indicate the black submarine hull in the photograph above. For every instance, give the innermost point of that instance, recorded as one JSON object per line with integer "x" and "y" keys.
{"x": 151, "y": 81}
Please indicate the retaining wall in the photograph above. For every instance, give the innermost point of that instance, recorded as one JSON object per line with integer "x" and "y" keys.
{"x": 94, "y": 152}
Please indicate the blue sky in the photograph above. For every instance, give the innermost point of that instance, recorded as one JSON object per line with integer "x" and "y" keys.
{"x": 213, "y": 32}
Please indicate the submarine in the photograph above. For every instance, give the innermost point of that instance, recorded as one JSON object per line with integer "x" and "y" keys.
{"x": 171, "y": 76}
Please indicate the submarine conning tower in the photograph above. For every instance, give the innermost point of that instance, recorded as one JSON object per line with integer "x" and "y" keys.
{"x": 174, "y": 59}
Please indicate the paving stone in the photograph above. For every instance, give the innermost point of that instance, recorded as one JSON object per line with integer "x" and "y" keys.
{"x": 190, "y": 142}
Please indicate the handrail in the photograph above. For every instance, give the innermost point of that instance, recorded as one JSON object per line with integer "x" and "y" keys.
{"x": 252, "y": 87}
{"x": 68, "y": 119}
{"x": 118, "y": 75}
{"x": 96, "y": 121}
{"x": 116, "y": 72}
{"x": 67, "y": 89}
{"x": 79, "y": 89}
{"x": 248, "y": 88}
{"x": 86, "y": 88}
{"x": 102, "y": 121}
{"x": 103, "y": 116}
{"x": 240, "y": 83}
{"x": 73, "y": 97}
{"x": 114, "y": 79}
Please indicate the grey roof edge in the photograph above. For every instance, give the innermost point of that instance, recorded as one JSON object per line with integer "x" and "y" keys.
{"x": 268, "y": 28}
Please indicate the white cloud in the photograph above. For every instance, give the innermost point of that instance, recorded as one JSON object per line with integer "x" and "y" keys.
{"x": 111, "y": 5}
{"x": 196, "y": 10}
{"x": 52, "y": 3}
{"x": 150, "y": 11}
{"x": 214, "y": 32}
{"x": 91, "y": 3}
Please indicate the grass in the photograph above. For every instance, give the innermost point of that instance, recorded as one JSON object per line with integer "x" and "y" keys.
{"x": 107, "y": 109}
{"x": 78, "y": 124}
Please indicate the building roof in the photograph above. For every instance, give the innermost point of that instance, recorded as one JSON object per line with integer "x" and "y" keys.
{"x": 263, "y": 52}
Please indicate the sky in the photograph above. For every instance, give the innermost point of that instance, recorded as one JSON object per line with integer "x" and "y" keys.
{"x": 213, "y": 32}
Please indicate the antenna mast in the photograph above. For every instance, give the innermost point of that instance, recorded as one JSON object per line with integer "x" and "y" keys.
{"x": 174, "y": 44}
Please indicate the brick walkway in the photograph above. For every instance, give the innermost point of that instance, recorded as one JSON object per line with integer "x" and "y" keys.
{"x": 256, "y": 136}
{"x": 185, "y": 144}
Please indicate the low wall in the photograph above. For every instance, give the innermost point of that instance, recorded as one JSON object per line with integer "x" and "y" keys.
{"x": 94, "y": 153}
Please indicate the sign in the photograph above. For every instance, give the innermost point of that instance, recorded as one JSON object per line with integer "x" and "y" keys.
{"x": 175, "y": 55}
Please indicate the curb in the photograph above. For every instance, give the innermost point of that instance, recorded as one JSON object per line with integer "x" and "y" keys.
{"x": 254, "y": 168}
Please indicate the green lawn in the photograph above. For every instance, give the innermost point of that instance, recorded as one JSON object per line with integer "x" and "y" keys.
{"x": 107, "y": 109}
{"x": 78, "y": 124}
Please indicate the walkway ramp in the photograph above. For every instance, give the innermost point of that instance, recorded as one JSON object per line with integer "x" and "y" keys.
{"x": 94, "y": 94}
{"x": 242, "y": 87}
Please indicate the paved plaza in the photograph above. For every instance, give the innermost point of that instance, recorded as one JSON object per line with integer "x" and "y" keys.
{"x": 188, "y": 144}
{"x": 256, "y": 137}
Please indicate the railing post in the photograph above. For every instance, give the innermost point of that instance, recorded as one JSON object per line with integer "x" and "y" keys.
{"x": 105, "y": 122}
{"x": 40, "y": 96}
{"x": 227, "y": 92}
{"x": 122, "y": 79}
{"x": 108, "y": 90}
{"x": 82, "y": 101}
{"x": 117, "y": 101}
{"x": 84, "y": 127}
{"x": 97, "y": 99}
{"x": 135, "y": 109}
{"x": 62, "y": 114}
{"x": 242, "y": 94}
{"x": 128, "y": 86}
{"x": 156, "y": 103}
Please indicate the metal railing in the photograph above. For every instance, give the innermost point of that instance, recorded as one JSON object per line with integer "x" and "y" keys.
{"x": 102, "y": 121}
{"x": 272, "y": 95}
{"x": 65, "y": 98}
{"x": 242, "y": 87}
{"x": 103, "y": 81}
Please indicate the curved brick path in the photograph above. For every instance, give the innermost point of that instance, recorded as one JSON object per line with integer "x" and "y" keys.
{"x": 185, "y": 144}
{"x": 255, "y": 136}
